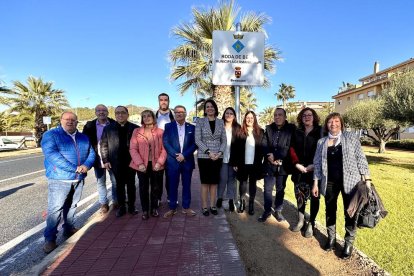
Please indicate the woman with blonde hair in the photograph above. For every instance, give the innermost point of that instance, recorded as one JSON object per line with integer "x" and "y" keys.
{"x": 148, "y": 159}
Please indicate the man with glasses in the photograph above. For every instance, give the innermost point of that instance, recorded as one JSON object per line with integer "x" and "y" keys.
{"x": 179, "y": 142}
{"x": 68, "y": 156}
{"x": 115, "y": 155}
{"x": 93, "y": 129}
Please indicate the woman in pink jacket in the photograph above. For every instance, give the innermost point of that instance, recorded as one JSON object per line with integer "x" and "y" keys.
{"x": 148, "y": 158}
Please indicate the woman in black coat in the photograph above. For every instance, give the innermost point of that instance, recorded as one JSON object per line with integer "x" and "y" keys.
{"x": 247, "y": 158}
{"x": 302, "y": 151}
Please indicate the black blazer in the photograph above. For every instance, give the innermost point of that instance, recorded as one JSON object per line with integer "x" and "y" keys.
{"x": 110, "y": 144}
{"x": 90, "y": 130}
{"x": 237, "y": 158}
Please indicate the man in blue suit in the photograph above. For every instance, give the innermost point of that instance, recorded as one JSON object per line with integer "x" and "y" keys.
{"x": 179, "y": 142}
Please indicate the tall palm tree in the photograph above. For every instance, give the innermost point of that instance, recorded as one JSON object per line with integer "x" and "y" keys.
{"x": 38, "y": 98}
{"x": 266, "y": 116}
{"x": 285, "y": 93}
{"x": 247, "y": 101}
{"x": 191, "y": 60}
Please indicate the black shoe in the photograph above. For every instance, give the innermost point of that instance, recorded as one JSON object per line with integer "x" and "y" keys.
{"x": 242, "y": 206}
{"x": 251, "y": 208}
{"x": 214, "y": 211}
{"x": 309, "y": 230}
{"x": 330, "y": 244}
{"x": 219, "y": 203}
{"x": 49, "y": 246}
{"x": 70, "y": 233}
{"x": 145, "y": 215}
{"x": 205, "y": 212}
{"x": 346, "y": 254}
{"x": 120, "y": 212}
{"x": 264, "y": 217}
{"x": 279, "y": 216}
{"x": 154, "y": 213}
{"x": 231, "y": 205}
{"x": 133, "y": 211}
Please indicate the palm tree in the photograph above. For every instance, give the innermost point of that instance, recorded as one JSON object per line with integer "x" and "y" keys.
{"x": 285, "y": 93}
{"x": 38, "y": 98}
{"x": 247, "y": 101}
{"x": 266, "y": 116}
{"x": 192, "y": 59}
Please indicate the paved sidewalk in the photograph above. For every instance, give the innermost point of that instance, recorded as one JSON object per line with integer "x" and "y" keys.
{"x": 128, "y": 245}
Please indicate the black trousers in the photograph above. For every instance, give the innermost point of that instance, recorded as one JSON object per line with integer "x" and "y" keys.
{"x": 148, "y": 179}
{"x": 125, "y": 176}
{"x": 331, "y": 198}
{"x": 248, "y": 175}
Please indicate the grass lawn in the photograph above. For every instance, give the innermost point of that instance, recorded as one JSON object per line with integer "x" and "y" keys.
{"x": 391, "y": 243}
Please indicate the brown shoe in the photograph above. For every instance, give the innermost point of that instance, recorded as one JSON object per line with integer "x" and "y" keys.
{"x": 170, "y": 213}
{"x": 104, "y": 208}
{"x": 68, "y": 234}
{"x": 49, "y": 246}
{"x": 189, "y": 212}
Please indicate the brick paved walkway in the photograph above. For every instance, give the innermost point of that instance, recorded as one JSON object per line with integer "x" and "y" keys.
{"x": 179, "y": 245}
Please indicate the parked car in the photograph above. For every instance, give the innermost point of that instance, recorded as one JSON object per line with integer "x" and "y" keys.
{"x": 7, "y": 144}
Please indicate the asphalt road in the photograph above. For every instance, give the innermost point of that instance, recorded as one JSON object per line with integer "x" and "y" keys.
{"x": 23, "y": 200}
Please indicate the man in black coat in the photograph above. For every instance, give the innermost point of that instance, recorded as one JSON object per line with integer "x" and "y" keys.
{"x": 276, "y": 144}
{"x": 93, "y": 129}
{"x": 114, "y": 147}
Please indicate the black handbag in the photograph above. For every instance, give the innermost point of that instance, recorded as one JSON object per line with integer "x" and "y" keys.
{"x": 370, "y": 214}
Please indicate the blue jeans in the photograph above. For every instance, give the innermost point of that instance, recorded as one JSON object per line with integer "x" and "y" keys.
{"x": 100, "y": 174}
{"x": 227, "y": 179}
{"x": 63, "y": 198}
{"x": 269, "y": 183}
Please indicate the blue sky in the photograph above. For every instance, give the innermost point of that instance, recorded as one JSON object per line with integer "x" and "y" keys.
{"x": 115, "y": 52}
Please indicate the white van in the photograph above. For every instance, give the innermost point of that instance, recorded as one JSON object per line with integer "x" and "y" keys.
{"x": 7, "y": 144}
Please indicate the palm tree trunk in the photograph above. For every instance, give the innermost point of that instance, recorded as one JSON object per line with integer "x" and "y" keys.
{"x": 223, "y": 97}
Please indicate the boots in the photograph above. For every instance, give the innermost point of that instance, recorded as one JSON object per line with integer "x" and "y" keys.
{"x": 301, "y": 221}
{"x": 242, "y": 206}
{"x": 251, "y": 207}
{"x": 330, "y": 243}
{"x": 231, "y": 205}
{"x": 347, "y": 252}
{"x": 219, "y": 203}
{"x": 309, "y": 230}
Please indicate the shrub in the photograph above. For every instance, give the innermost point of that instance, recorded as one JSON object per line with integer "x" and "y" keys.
{"x": 401, "y": 144}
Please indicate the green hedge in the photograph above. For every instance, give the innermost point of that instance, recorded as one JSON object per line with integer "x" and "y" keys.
{"x": 401, "y": 144}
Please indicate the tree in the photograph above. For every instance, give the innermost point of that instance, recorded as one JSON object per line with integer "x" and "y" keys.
{"x": 266, "y": 116}
{"x": 192, "y": 59}
{"x": 247, "y": 101}
{"x": 327, "y": 109}
{"x": 367, "y": 115}
{"x": 399, "y": 97}
{"x": 285, "y": 93}
{"x": 38, "y": 98}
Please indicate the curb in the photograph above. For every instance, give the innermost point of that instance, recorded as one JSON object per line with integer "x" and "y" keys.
{"x": 66, "y": 245}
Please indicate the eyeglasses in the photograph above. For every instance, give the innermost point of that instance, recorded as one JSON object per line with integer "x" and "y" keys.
{"x": 307, "y": 115}
{"x": 180, "y": 112}
{"x": 121, "y": 113}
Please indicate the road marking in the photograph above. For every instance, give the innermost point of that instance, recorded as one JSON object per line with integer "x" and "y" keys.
{"x": 23, "y": 175}
{"x": 7, "y": 161}
{"x": 9, "y": 245}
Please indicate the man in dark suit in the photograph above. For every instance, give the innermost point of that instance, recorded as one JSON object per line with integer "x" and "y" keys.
{"x": 114, "y": 146}
{"x": 93, "y": 129}
{"x": 179, "y": 142}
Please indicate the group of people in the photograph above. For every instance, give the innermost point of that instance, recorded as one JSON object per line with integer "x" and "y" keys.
{"x": 226, "y": 151}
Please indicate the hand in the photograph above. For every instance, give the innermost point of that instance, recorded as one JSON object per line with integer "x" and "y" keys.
{"x": 142, "y": 168}
{"x": 108, "y": 166}
{"x": 315, "y": 190}
{"x": 277, "y": 162}
{"x": 309, "y": 168}
{"x": 301, "y": 168}
{"x": 84, "y": 169}
{"x": 235, "y": 169}
{"x": 179, "y": 157}
{"x": 157, "y": 167}
{"x": 270, "y": 157}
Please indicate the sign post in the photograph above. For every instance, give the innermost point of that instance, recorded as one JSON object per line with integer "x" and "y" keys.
{"x": 47, "y": 121}
{"x": 238, "y": 59}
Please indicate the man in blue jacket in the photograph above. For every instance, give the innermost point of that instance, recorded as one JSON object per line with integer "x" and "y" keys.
{"x": 179, "y": 142}
{"x": 68, "y": 156}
